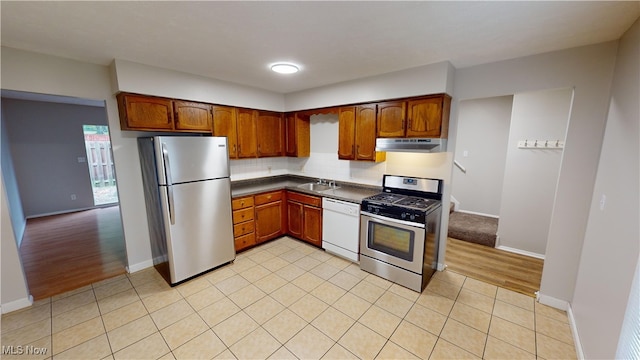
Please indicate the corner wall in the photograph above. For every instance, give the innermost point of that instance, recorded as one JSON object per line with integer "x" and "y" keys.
{"x": 38, "y": 73}
{"x": 588, "y": 69}
{"x": 611, "y": 251}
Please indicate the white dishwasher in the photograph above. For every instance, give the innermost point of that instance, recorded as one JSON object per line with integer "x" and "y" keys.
{"x": 341, "y": 228}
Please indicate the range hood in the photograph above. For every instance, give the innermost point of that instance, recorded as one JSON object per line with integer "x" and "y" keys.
{"x": 420, "y": 145}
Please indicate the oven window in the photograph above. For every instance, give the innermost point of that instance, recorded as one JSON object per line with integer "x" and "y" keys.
{"x": 391, "y": 240}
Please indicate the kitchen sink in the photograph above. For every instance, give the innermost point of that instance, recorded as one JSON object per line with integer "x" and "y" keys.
{"x": 316, "y": 187}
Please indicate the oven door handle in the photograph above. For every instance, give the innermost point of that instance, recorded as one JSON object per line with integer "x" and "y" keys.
{"x": 391, "y": 220}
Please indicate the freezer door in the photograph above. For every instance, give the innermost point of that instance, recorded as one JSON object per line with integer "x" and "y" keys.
{"x": 181, "y": 159}
{"x": 201, "y": 236}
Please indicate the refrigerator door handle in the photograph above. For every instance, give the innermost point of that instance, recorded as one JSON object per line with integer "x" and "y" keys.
{"x": 167, "y": 168}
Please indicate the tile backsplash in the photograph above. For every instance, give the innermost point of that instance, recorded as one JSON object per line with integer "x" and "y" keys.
{"x": 318, "y": 165}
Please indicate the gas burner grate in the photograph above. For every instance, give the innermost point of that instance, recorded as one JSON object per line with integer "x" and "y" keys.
{"x": 416, "y": 202}
{"x": 386, "y": 198}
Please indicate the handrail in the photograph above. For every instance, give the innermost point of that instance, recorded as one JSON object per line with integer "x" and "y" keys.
{"x": 459, "y": 166}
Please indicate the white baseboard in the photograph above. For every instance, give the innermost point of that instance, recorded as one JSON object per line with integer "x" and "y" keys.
{"x": 553, "y": 302}
{"x": 139, "y": 266}
{"x": 478, "y": 213}
{"x": 521, "y": 252}
{"x": 574, "y": 332}
{"x": 17, "y": 304}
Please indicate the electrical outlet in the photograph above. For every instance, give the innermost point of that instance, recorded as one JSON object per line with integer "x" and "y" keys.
{"x": 603, "y": 200}
{"x": 269, "y": 169}
{"x": 73, "y": 197}
{"x": 82, "y": 159}
{"x": 465, "y": 153}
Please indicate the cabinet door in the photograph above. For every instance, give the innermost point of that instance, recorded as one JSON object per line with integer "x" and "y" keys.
{"x": 294, "y": 219}
{"x": 246, "y": 130}
{"x": 145, "y": 112}
{"x": 192, "y": 116}
{"x": 268, "y": 221}
{"x": 297, "y": 135}
{"x": 224, "y": 124}
{"x": 391, "y": 118}
{"x": 347, "y": 133}
{"x": 366, "y": 132}
{"x": 312, "y": 225}
{"x": 424, "y": 118}
{"x": 270, "y": 133}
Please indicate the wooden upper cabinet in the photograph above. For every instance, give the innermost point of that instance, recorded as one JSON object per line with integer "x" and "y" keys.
{"x": 139, "y": 112}
{"x": 192, "y": 116}
{"x": 391, "y": 117}
{"x": 428, "y": 117}
{"x": 347, "y": 133}
{"x": 357, "y": 133}
{"x": 246, "y": 131}
{"x": 270, "y": 134}
{"x": 224, "y": 124}
{"x": 366, "y": 132}
{"x": 297, "y": 135}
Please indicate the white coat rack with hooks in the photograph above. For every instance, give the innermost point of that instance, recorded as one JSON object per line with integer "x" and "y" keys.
{"x": 541, "y": 144}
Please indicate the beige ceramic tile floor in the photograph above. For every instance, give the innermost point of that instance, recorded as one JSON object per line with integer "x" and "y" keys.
{"x": 287, "y": 300}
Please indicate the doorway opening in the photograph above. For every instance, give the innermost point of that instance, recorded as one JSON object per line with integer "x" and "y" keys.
{"x": 100, "y": 162}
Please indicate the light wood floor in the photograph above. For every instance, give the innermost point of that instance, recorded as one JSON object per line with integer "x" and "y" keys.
{"x": 65, "y": 252}
{"x": 508, "y": 270}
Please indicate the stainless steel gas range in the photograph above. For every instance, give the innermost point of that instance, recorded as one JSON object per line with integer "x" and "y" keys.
{"x": 400, "y": 230}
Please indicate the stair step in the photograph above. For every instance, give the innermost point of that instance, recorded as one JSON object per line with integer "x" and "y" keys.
{"x": 473, "y": 228}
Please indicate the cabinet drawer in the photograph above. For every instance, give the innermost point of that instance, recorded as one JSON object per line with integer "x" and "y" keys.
{"x": 305, "y": 199}
{"x": 242, "y": 215}
{"x": 241, "y": 203}
{"x": 243, "y": 228}
{"x": 268, "y": 197}
{"x": 243, "y": 242}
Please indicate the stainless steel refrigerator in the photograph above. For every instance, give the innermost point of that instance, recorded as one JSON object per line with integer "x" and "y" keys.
{"x": 188, "y": 200}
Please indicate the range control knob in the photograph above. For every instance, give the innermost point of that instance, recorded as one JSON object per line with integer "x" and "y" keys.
{"x": 403, "y": 215}
{"x": 412, "y": 217}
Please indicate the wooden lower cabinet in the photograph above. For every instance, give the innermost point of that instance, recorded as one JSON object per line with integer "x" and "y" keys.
{"x": 243, "y": 222}
{"x": 269, "y": 215}
{"x": 294, "y": 218}
{"x": 304, "y": 217}
{"x": 312, "y": 225}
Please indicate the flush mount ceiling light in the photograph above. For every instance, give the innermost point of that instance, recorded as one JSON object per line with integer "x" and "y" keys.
{"x": 285, "y": 68}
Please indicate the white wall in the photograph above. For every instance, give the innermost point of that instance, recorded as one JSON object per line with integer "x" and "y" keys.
{"x": 588, "y": 69}
{"x": 483, "y": 133}
{"x": 149, "y": 80}
{"x": 46, "y": 140}
{"x": 611, "y": 248}
{"x": 428, "y": 79}
{"x": 13, "y": 288}
{"x": 531, "y": 175}
{"x": 32, "y": 72}
{"x": 14, "y": 205}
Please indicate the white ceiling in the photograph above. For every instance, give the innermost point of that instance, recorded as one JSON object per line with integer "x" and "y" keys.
{"x": 332, "y": 41}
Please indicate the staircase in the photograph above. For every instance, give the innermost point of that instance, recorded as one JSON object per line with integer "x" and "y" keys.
{"x": 473, "y": 228}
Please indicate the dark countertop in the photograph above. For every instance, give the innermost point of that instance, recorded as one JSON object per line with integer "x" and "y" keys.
{"x": 350, "y": 192}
